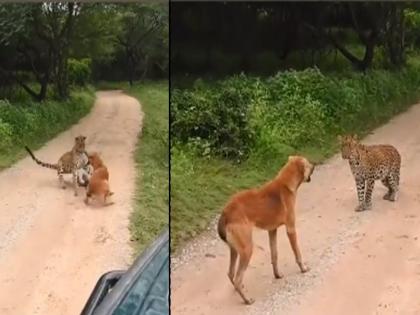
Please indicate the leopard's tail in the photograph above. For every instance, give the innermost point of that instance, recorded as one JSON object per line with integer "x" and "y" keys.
{"x": 48, "y": 165}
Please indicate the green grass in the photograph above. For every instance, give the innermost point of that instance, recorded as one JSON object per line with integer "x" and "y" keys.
{"x": 150, "y": 215}
{"x": 24, "y": 122}
{"x": 199, "y": 187}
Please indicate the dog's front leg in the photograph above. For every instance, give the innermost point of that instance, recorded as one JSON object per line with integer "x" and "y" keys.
{"x": 272, "y": 235}
{"x": 292, "y": 235}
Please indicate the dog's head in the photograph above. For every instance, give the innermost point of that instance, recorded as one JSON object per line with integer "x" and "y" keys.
{"x": 305, "y": 167}
{"x": 348, "y": 145}
{"x": 95, "y": 160}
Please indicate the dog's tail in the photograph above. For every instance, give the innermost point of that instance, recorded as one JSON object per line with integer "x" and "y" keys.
{"x": 221, "y": 227}
{"x": 48, "y": 165}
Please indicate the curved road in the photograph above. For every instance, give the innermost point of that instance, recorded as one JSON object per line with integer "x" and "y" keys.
{"x": 53, "y": 247}
{"x": 361, "y": 263}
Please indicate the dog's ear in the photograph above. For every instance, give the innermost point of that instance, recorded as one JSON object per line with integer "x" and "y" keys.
{"x": 339, "y": 138}
{"x": 355, "y": 137}
{"x": 291, "y": 157}
{"x": 301, "y": 167}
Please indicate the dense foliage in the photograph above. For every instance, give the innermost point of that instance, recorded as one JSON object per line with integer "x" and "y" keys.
{"x": 49, "y": 44}
{"x": 32, "y": 123}
{"x": 242, "y": 115}
{"x": 79, "y": 71}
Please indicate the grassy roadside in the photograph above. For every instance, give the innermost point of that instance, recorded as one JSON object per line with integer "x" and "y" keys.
{"x": 23, "y": 122}
{"x": 150, "y": 215}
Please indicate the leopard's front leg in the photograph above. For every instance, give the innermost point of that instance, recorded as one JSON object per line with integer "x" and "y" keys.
{"x": 368, "y": 195}
{"x": 360, "y": 185}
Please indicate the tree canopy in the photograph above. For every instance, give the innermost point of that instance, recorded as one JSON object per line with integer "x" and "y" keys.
{"x": 120, "y": 41}
{"x": 205, "y": 32}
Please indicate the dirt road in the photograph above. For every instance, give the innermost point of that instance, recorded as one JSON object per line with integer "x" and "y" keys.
{"x": 361, "y": 263}
{"x": 53, "y": 247}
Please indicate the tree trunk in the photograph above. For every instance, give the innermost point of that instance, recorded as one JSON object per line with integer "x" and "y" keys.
{"x": 62, "y": 44}
{"x": 368, "y": 58}
{"x": 146, "y": 68}
{"x": 395, "y": 35}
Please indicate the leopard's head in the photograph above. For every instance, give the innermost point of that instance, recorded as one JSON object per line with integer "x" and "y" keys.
{"x": 79, "y": 143}
{"x": 349, "y": 145}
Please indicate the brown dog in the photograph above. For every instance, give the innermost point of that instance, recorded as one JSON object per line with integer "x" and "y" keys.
{"x": 267, "y": 207}
{"x": 99, "y": 182}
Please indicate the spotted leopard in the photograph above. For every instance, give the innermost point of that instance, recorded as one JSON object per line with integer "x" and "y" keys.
{"x": 369, "y": 163}
{"x": 71, "y": 162}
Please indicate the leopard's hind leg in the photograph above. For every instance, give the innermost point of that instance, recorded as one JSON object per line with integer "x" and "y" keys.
{"x": 386, "y": 182}
{"x": 394, "y": 182}
{"x": 61, "y": 178}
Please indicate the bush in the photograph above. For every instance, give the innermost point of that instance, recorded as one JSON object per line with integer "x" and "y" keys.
{"x": 79, "y": 71}
{"x": 287, "y": 112}
{"x": 214, "y": 119}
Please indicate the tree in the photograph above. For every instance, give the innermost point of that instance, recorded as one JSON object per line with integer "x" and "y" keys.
{"x": 142, "y": 37}
{"x": 21, "y": 51}
{"x": 41, "y": 40}
{"x": 395, "y": 33}
{"x": 54, "y": 25}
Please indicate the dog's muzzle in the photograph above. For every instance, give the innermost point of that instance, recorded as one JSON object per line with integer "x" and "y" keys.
{"x": 310, "y": 174}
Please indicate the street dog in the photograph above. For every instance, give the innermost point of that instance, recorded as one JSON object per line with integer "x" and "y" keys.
{"x": 267, "y": 208}
{"x": 98, "y": 183}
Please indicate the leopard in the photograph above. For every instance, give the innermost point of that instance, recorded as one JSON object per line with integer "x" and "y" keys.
{"x": 369, "y": 163}
{"x": 75, "y": 162}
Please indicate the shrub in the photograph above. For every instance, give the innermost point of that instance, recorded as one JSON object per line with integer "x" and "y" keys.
{"x": 79, "y": 71}
{"x": 289, "y": 111}
{"x": 214, "y": 119}
{"x": 6, "y": 134}
{"x": 30, "y": 123}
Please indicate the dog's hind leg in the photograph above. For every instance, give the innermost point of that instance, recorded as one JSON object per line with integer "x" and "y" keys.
{"x": 244, "y": 259}
{"x": 292, "y": 235}
{"x": 232, "y": 263}
{"x": 242, "y": 243}
{"x": 273, "y": 248}
{"x": 107, "y": 202}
